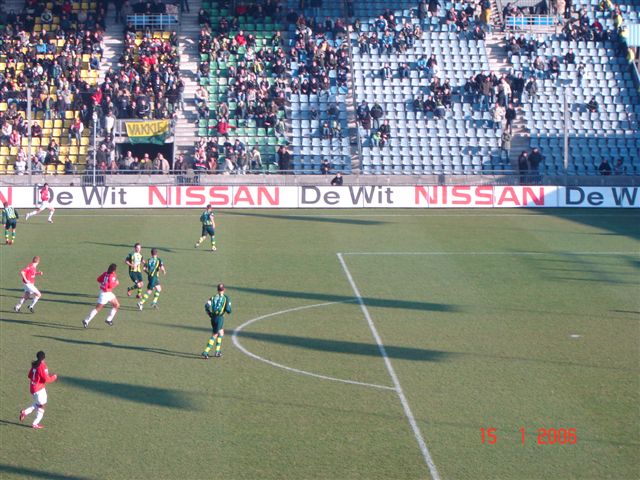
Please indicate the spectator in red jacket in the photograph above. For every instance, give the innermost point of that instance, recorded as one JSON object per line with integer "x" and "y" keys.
{"x": 223, "y": 127}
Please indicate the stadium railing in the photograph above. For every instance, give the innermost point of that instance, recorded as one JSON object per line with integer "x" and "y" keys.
{"x": 154, "y": 21}
{"x": 276, "y": 177}
{"x": 529, "y": 22}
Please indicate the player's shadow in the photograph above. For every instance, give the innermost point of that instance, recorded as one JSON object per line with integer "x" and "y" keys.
{"x": 32, "y": 323}
{"x": 351, "y": 348}
{"x": 130, "y": 246}
{"x": 47, "y": 298}
{"x": 49, "y": 292}
{"x": 369, "y": 301}
{"x": 137, "y": 348}
{"x": 193, "y": 328}
{"x": 309, "y": 218}
{"x": 17, "y": 424}
{"x": 156, "y": 396}
{"x": 31, "y": 473}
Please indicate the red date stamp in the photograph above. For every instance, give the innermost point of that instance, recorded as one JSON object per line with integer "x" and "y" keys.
{"x": 544, "y": 436}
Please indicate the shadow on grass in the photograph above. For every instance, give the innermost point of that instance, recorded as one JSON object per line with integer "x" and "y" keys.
{"x": 137, "y": 348}
{"x": 161, "y": 397}
{"x": 32, "y": 323}
{"x": 369, "y": 301}
{"x": 308, "y": 218}
{"x": 49, "y": 292}
{"x": 350, "y": 348}
{"x": 618, "y": 221}
{"x": 17, "y": 424}
{"x": 544, "y": 361}
{"x": 130, "y": 246}
{"x": 31, "y": 473}
{"x": 45, "y": 298}
{"x": 160, "y": 249}
{"x": 203, "y": 328}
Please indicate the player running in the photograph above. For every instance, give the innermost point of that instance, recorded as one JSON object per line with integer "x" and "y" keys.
{"x": 39, "y": 376}
{"x": 216, "y": 308}
{"x": 108, "y": 281}
{"x": 208, "y": 227}
{"x": 10, "y": 220}
{"x": 136, "y": 263}
{"x": 29, "y": 274}
{"x": 45, "y": 197}
{"x": 153, "y": 267}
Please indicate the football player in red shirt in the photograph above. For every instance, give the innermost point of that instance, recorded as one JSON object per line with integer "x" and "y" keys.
{"x": 45, "y": 197}
{"x": 28, "y": 275}
{"x": 108, "y": 281}
{"x": 39, "y": 376}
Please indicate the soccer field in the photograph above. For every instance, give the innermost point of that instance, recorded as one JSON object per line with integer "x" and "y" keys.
{"x": 362, "y": 345}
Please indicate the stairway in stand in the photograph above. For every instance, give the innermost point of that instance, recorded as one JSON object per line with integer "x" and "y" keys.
{"x": 186, "y": 130}
{"x": 113, "y": 44}
{"x": 499, "y": 64}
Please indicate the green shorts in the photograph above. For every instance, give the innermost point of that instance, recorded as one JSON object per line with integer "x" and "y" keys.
{"x": 207, "y": 230}
{"x": 153, "y": 283}
{"x": 11, "y": 223}
{"x": 217, "y": 324}
{"x": 136, "y": 277}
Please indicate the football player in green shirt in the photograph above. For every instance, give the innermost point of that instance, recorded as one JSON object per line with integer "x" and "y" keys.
{"x": 10, "y": 220}
{"x": 216, "y": 308}
{"x": 208, "y": 227}
{"x": 136, "y": 263}
{"x": 153, "y": 267}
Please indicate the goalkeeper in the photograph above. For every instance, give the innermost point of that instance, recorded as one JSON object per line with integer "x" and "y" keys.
{"x": 216, "y": 308}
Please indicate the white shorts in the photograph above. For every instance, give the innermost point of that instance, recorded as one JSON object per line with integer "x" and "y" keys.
{"x": 40, "y": 397}
{"x": 46, "y": 204}
{"x": 106, "y": 297}
{"x": 31, "y": 288}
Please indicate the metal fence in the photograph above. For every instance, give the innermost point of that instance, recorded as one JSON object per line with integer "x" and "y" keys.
{"x": 529, "y": 22}
{"x": 278, "y": 177}
{"x": 154, "y": 22}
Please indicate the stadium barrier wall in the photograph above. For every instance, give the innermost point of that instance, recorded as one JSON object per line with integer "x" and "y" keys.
{"x": 307, "y": 196}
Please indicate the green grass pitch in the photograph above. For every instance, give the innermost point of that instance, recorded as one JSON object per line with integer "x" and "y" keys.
{"x": 502, "y": 320}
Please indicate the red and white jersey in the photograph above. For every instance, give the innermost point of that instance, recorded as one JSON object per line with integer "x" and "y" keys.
{"x": 29, "y": 273}
{"x": 108, "y": 281}
{"x": 39, "y": 376}
{"x": 45, "y": 194}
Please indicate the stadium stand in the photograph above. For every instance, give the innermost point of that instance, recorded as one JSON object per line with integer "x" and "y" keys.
{"x": 591, "y": 68}
{"x": 56, "y": 50}
{"x": 147, "y": 83}
{"x": 243, "y": 69}
{"x": 397, "y": 91}
{"x": 451, "y": 135}
{"x": 320, "y": 71}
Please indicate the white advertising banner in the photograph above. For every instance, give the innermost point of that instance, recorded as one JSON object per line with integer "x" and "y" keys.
{"x": 252, "y": 196}
{"x": 599, "y": 197}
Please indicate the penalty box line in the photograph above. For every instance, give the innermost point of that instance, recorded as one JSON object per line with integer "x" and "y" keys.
{"x": 392, "y": 373}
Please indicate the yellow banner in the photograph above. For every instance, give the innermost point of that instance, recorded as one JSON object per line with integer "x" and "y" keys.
{"x": 150, "y": 128}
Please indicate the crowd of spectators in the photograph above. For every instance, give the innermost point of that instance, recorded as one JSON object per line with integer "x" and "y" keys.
{"x": 109, "y": 161}
{"x": 257, "y": 83}
{"x": 48, "y": 49}
{"x": 147, "y": 84}
{"x": 232, "y": 156}
{"x": 49, "y": 61}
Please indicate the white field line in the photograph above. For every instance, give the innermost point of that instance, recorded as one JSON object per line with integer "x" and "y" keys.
{"x": 236, "y": 342}
{"x": 493, "y": 253}
{"x": 392, "y": 373}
